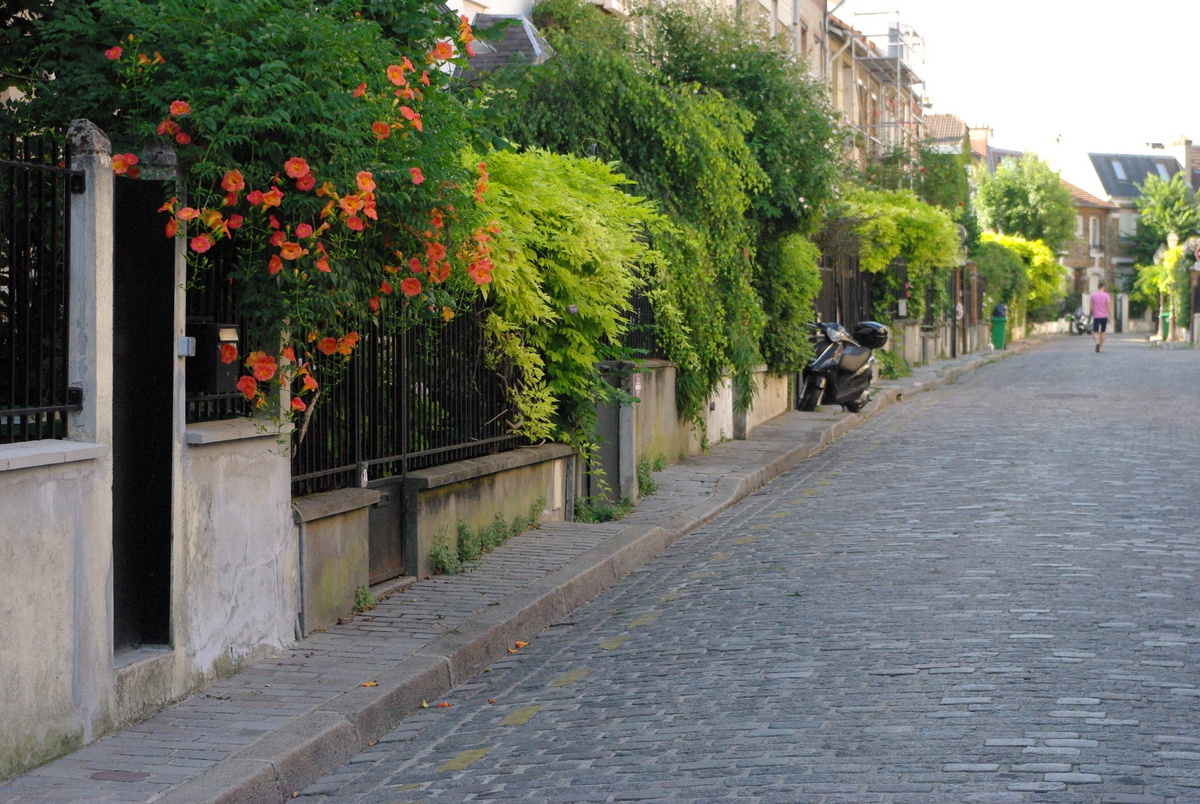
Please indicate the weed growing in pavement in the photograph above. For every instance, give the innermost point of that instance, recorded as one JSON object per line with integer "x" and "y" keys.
{"x": 363, "y": 599}
{"x": 474, "y": 544}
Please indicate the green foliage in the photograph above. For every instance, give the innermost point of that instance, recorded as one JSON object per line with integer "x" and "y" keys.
{"x": 592, "y": 511}
{"x": 1166, "y": 206}
{"x": 474, "y": 544}
{"x": 790, "y": 282}
{"x": 1002, "y": 270}
{"x": 890, "y": 225}
{"x": 1027, "y": 198}
{"x": 794, "y": 132}
{"x": 1045, "y": 276}
{"x": 566, "y": 262}
{"x": 737, "y": 157}
{"x": 443, "y": 557}
{"x": 939, "y": 179}
{"x": 265, "y": 81}
{"x": 897, "y": 225}
{"x": 646, "y": 468}
{"x": 363, "y": 599}
{"x": 892, "y": 365}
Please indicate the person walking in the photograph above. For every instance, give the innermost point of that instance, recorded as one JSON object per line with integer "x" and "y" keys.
{"x": 1101, "y": 301}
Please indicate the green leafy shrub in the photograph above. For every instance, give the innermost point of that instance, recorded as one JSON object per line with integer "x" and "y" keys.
{"x": 566, "y": 262}
{"x": 321, "y": 140}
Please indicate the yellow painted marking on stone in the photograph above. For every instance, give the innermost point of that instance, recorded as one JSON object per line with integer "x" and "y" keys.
{"x": 744, "y": 540}
{"x": 464, "y": 759}
{"x": 645, "y": 619}
{"x": 519, "y": 717}
{"x": 409, "y": 786}
{"x": 674, "y": 594}
{"x": 781, "y": 514}
{"x": 709, "y": 574}
{"x": 570, "y": 677}
{"x": 725, "y": 556}
{"x": 614, "y": 643}
{"x": 761, "y": 527}
{"x": 824, "y": 482}
{"x": 810, "y": 492}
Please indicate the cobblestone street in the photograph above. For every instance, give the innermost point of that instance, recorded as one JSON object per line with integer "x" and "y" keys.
{"x": 985, "y": 594}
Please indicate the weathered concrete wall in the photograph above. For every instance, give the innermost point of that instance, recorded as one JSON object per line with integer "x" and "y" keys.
{"x": 235, "y": 589}
{"x": 772, "y": 397}
{"x": 333, "y": 535}
{"x": 475, "y": 492}
{"x": 658, "y": 430}
{"x": 55, "y": 615}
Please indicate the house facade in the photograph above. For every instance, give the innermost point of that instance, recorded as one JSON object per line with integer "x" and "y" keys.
{"x": 1096, "y": 241}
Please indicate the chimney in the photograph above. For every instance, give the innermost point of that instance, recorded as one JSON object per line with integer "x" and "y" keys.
{"x": 1182, "y": 150}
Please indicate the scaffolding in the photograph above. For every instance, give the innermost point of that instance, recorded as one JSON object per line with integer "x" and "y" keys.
{"x": 887, "y": 101}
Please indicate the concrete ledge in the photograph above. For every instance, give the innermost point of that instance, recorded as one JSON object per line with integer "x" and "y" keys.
{"x": 48, "y": 452}
{"x": 332, "y": 503}
{"x": 217, "y": 432}
{"x": 459, "y": 471}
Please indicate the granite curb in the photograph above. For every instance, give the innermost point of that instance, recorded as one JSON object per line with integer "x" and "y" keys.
{"x": 312, "y": 745}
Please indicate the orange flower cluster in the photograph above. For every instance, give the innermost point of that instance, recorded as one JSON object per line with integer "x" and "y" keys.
{"x": 126, "y": 164}
{"x": 264, "y": 368}
{"x": 466, "y": 35}
{"x": 171, "y": 128}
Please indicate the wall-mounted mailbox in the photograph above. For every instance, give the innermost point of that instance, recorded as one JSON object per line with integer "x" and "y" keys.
{"x": 206, "y": 373}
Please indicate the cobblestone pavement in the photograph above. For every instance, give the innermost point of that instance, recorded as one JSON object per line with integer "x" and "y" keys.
{"x": 987, "y": 594}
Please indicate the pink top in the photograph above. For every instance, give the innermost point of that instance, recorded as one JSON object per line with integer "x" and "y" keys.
{"x": 1100, "y": 301}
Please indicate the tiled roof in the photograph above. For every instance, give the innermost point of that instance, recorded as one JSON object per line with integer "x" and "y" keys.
{"x": 1134, "y": 168}
{"x": 521, "y": 43}
{"x": 945, "y": 129}
{"x": 1083, "y": 198}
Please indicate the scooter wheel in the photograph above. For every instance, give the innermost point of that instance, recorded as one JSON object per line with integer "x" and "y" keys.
{"x": 858, "y": 404}
{"x": 810, "y": 395}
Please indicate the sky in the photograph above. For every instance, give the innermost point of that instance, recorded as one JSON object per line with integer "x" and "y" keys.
{"x": 1100, "y": 75}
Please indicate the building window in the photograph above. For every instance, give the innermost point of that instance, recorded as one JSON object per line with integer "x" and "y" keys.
{"x": 1094, "y": 235}
{"x": 1119, "y": 169}
{"x": 1079, "y": 226}
{"x": 1162, "y": 171}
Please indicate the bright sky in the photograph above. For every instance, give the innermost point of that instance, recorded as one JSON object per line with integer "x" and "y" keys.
{"x": 1102, "y": 75}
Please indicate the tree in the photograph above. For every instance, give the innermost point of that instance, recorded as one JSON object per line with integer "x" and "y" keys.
{"x": 1045, "y": 282}
{"x": 1027, "y": 198}
{"x": 1166, "y": 206}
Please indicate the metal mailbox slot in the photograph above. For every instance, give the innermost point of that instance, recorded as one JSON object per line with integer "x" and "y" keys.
{"x": 206, "y": 373}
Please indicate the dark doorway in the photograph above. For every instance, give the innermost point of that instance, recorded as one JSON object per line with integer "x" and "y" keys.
{"x": 143, "y": 394}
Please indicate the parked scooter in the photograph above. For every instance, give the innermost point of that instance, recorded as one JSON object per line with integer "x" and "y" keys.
{"x": 1081, "y": 322}
{"x": 840, "y": 372}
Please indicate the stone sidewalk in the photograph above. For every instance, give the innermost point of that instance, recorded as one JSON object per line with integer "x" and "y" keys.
{"x": 272, "y": 729}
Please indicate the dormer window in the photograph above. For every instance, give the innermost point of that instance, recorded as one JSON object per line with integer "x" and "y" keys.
{"x": 1119, "y": 169}
{"x": 1162, "y": 171}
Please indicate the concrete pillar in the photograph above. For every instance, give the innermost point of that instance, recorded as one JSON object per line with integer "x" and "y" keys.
{"x": 89, "y": 364}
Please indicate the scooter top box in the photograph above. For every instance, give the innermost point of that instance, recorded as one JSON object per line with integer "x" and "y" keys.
{"x": 870, "y": 334}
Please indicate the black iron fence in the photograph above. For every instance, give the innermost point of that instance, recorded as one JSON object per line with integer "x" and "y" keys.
{"x": 409, "y": 399}
{"x": 211, "y": 300}
{"x": 640, "y": 336}
{"x": 846, "y": 291}
{"x": 35, "y": 201}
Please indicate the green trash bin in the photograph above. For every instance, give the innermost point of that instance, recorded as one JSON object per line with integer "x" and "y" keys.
{"x": 1166, "y": 325}
{"x": 999, "y": 325}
